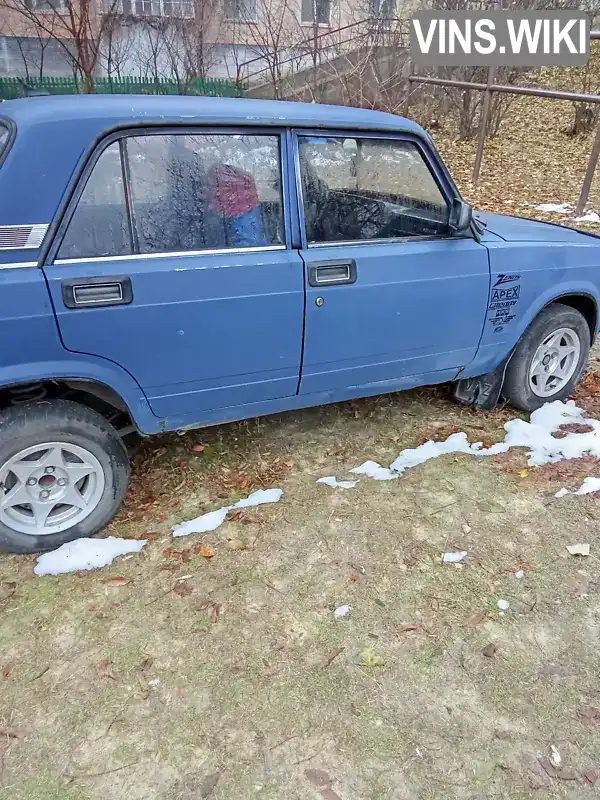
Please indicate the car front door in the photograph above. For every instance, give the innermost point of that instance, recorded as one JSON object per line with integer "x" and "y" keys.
{"x": 390, "y": 294}
{"x": 174, "y": 262}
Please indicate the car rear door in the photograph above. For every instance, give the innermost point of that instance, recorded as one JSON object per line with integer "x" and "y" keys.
{"x": 173, "y": 260}
{"x": 390, "y": 293}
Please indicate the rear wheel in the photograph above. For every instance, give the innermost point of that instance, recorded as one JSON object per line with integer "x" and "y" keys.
{"x": 549, "y": 359}
{"x": 63, "y": 474}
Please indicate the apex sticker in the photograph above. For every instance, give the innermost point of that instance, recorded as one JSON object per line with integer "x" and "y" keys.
{"x": 510, "y": 293}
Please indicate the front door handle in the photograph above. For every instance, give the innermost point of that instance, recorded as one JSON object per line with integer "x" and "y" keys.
{"x": 94, "y": 292}
{"x": 331, "y": 273}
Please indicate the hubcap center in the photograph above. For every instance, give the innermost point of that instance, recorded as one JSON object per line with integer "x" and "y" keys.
{"x": 47, "y": 481}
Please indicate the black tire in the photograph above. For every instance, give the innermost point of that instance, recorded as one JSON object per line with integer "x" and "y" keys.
{"x": 72, "y": 423}
{"x": 516, "y": 388}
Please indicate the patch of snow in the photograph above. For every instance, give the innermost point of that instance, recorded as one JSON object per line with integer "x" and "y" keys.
{"x": 213, "y": 519}
{"x": 562, "y": 492}
{"x": 503, "y": 605}
{"x": 556, "y": 208}
{"x": 519, "y": 574}
{"x": 154, "y": 682}
{"x": 589, "y": 486}
{"x": 590, "y": 216}
{"x": 203, "y": 523}
{"x": 579, "y": 549}
{"x": 454, "y": 558}
{"x": 259, "y": 497}
{"x": 342, "y": 611}
{"x": 85, "y": 554}
{"x": 333, "y": 482}
{"x": 374, "y": 470}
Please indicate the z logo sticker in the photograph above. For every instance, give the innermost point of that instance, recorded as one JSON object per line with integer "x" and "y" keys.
{"x": 502, "y": 278}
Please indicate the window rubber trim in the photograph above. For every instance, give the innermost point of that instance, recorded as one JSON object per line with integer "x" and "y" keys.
{"x": 60, "y": 223}
{"x": 11, "y": 126}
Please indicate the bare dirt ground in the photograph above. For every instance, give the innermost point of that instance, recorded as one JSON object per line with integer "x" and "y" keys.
{"x": 213, "y": 667}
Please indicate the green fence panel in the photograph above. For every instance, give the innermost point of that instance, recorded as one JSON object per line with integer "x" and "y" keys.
{"x": 207, "y": 87}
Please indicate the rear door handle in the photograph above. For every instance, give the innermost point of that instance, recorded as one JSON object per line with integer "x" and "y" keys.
{"x": 94, "y": 292}
{"x": 331, "y": 273}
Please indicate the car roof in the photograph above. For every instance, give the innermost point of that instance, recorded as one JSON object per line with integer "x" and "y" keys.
{"x": 178, "y": 109}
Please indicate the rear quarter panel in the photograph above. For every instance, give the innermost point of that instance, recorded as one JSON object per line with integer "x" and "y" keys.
{"x": 526, "y": 277}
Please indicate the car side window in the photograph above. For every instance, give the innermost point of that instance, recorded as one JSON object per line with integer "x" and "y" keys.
{"x": 162, "y": 193}
{"x": 204, "y": 192}
{"x": 99, "y": 224}
{"x": 362, "y": 189}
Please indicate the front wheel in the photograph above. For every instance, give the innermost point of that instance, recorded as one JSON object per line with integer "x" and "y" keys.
{"x": 63, "y": 474}
{"x": 549, "y": 359}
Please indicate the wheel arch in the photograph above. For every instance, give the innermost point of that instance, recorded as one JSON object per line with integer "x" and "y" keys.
{"x": 585, "y": 303}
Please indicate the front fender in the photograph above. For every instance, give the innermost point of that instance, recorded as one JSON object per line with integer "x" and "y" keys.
{"x": 525, "y": 278}
{"x": 95, "y": 370}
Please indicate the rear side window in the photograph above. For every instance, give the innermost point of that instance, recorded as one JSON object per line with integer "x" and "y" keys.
{"x": 99, "y": 226}
{"x": 174, "y": 193}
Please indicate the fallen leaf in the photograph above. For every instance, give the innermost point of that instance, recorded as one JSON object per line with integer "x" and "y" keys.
{"x": 579, "y": 549}
{"x": 105, "y": 669}
{"x": 11, "y": 733}
{"x": 489, "y": 651}
{"x": 567, "y": 775}
{"x": 409, "y": 628}
{"x": 318, "y": 778}
{"x": 177, "y": 555}
{"x": 215, "y": 610}
{"x": 209, "y": 784}
{"x": 329, "y": 794}
{"x": 206, "y": 551}
{"x": 183, "y": 589}
{"x": 591, "y": 777}
{"x": 6, "y": 670}
{"x": 120, "y": 581}
{"x": 198, "y": 448}
{"x": 476, "y": 619}
{"x": 146, "y": 663}
{"x": 589, "y": 716}
{"x": 368, "y": 657}
{"x": 333, "y": 655}
{"x": 153, "y": 535}
{"x": 236, "y": 544}
{"x": 524, "y": 473}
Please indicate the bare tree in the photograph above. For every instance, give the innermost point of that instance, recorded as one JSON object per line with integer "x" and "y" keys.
{"x": 78, "y": 26}
{"x": 271, "y": 31}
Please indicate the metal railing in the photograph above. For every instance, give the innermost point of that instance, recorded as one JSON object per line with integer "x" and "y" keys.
{"x": 490, "y": 87}
{"x": 371, "y": 30}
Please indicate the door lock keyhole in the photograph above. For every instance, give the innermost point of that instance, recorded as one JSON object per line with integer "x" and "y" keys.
{"x": 319, "y": 302}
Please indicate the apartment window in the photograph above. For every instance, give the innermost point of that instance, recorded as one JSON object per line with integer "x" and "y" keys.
{"x": 58, "y": 6}
{"x": 182, "y": 9}
{"x": 240, "y": 10}
{"x": 318, "y": 11}
{"x": 382, "y": 9}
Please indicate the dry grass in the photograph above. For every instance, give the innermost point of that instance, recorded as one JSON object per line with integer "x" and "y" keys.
{"x": 214, "y": 668}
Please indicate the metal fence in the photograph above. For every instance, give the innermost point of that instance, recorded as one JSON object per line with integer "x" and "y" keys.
{"x": 489, "y": 88}
{"x": 11, "y": 88}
